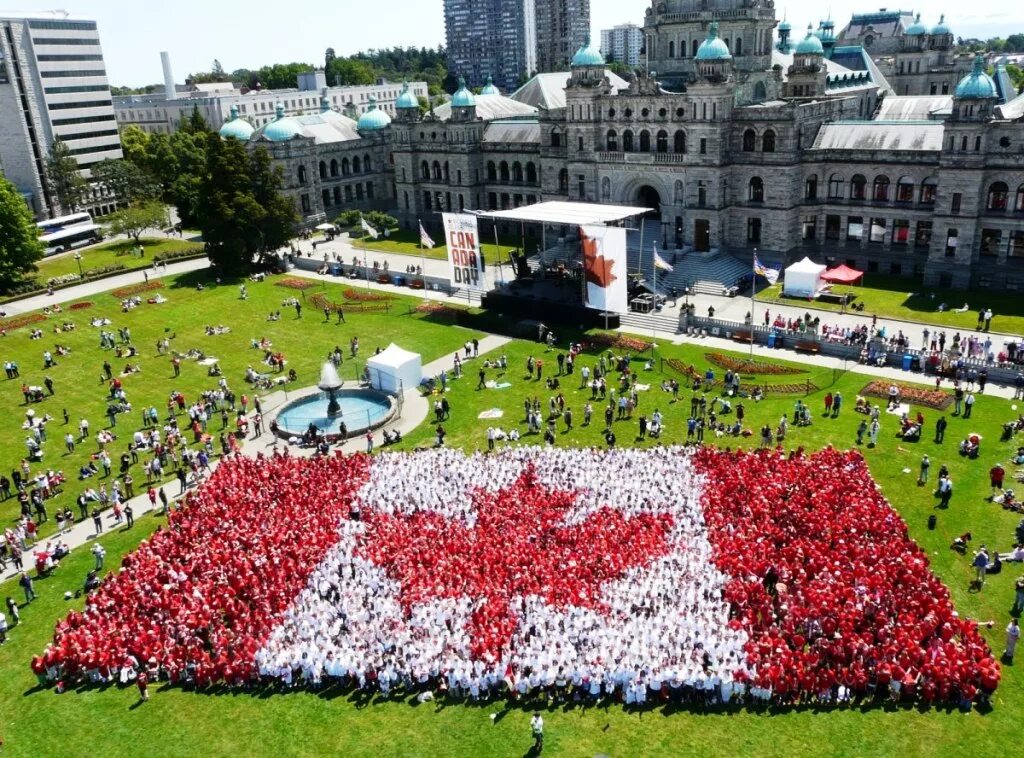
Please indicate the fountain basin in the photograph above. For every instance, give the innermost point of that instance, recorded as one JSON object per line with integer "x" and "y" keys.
{"x": 360, "y": 409}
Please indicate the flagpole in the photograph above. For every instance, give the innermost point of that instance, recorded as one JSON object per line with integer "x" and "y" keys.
{"x": 423, "y": 262}
{"x": 654, "y": 266}
{"x": 753, "y": 290}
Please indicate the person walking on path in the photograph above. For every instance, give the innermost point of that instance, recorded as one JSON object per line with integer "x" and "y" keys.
{"x": 129, "y": 516}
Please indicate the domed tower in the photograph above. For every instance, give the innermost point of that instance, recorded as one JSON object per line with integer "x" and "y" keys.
{"x": 489, "y": 88}
{"x": 784, "y": 30}
{"x": 806, "y": 77}
{"x": 941, "y": 35}
{"x": 283, "y": 128}
{"x": 914, "y": 35}
{"x": 407, "y": 106}
{"x": 374, "y": 119}
{"x": 827, "y": 35}
{"x": 976, "y": 95}
{"x": 463, "y": 103}
{"x": 714, "y": 61}
{"x": 236, "y": 127}
{"x": 588, "y": 64}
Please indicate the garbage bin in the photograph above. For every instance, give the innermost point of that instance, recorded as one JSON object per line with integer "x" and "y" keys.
{"x": 771, "y": 339}
{"x": 335, "y": 269}
{"x": 398, "y": 281}
{"x": 779, "y": 341}
{"x": 932, "y": 520}
{"x": 908, "y": 361}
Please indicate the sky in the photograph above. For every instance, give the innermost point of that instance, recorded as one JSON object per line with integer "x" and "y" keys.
{"x": 242, "y": 35}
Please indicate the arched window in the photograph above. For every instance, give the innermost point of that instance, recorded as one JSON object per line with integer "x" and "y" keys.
{"x": 356, "y": 167}
{"x": 337, "y": 195}
{"x": 436, "y": 170}
{"x": 662, "y": 141}
{"x": 755, "y": 193}
{"x": 760, "y": 92}
{"x": 556, "y": 138}
{"x": 645, "y": 141}
{"x": 880, "y": 192}
{"x": 998, "y": 196}
{"x": 905, "y": 190}
{"x": 325, "y": 196}
{"x": 696, "y": 44}
{"x": 836, "y": 187}
{"x": 679, "y": 144}
{"x": 627, "y": 141}
{"x": 929, "y": 189}
{"x": 739, "y": 46}
{"x": 503, "y": 171}
{"x": 612, "y": 141}
{"x": 517, "y": 172}
{"x": 749, "y": 139}
{"x": 531, "y": 173}
{"x": 345, "y": 168}
{"x": 606, "y": 189}
{"x": 858, "y": 185}
{"x": 492, "y": 171}
{"x": 768, "y": 142}
{"x": 1018, "y": 205}
{"x": 323, "y": 170}
{"x": 563, "y": 181}
{"x": 447, "y": 175}
{"x": 334, "y": 166}
{"x": 302, "y": 174}
{"x": 367, "y": 163}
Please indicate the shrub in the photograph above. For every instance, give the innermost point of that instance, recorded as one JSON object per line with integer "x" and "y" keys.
{"x": 196, "y": 251}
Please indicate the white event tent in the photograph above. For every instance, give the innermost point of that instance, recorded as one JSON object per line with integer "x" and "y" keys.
{"x": 395, "y": 370}
{"x": 803, "y": 278}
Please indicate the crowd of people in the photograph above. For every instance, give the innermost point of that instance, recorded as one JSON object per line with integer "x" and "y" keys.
{"x": 746, "y": 577}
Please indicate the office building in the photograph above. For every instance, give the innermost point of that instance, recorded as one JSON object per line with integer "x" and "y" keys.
{"x": 53, "y": 84}
{"x": 563, "y": 26}
{"x": 623, "y": 43}
{"x": 495, "y": 38}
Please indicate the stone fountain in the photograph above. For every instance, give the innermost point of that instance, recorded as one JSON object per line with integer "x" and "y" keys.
{"x": 330, "y": 383}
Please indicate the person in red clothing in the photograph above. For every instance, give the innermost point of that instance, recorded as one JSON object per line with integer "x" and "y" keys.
{"x": 996, "y": 474}
{"x": 142, "y": 682}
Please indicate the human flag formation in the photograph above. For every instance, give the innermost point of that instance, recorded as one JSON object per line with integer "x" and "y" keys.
{"x": 661, "y": 263}
{"x": 771, "y": 274}
{"x": 755, "y": 576}
{"x": 367, "y": 228}
{"x": 425, "y": 240}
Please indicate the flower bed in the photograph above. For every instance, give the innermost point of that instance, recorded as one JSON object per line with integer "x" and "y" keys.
{"x": 17, "y": 322}
{"x": 321, "y": 301}
{"x": 929, "y": 398}
{"x": 619, "y": 342}
{"x": 747, "y": 366}
{"x": 365, "y": 297}
{"x": 80, "y": 306}
{"x": 441, "y": 310}
{"x": 137, "y": 289}
{"x": 295, "y": 284}
{"x": 796, "y": 388}
{"x": 684, "y": 368}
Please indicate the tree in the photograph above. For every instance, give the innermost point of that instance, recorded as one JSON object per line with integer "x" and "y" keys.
{"x": 135, "y": 220}
{"x": 329, "y": 57}
{"x": 20, "y": 247}
{"x": 126, "y": 181}
{"x": 64, "y": 176}
{"x": 195, "y": 123}
{"x": 240, "y": 209}
{"x": 217, "y": 70}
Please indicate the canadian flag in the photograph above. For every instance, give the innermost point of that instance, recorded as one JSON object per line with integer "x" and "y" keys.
{"x": 536, "y": 567}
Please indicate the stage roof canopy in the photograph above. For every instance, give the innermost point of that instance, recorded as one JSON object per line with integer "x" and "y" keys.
{"x": 557, "y": 212}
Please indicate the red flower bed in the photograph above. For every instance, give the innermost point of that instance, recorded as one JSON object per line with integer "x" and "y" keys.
{"x": 856, "y": 602}
{"x": 80, "y": 306}
{"x": 747, "y": 366}
{"x": 929, "y": 398}
{"x": 619, "y": 342}
{"x": 321, "y": 301}
{"x": 441, "y": 309}
{"x": 366, "y": 297}
{"x": 684, "y": 368}
{"x": 295, "y": 284}
{"x": 17, "y": 322}
{"x": 137, "y": 289}
{"x": 795, "y": 388}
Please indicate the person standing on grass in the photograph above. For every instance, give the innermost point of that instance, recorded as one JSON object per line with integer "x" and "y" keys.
{"x": 861, "y": 430}
{"x": 12, "y": 609}
{"x": 25, "y": 582}
{"x": 837, "y": 403}
{"x": 968, "y": 404}
{"x": 980, "y": 564}
{"x": 922, "y": 477}
{"x": 996, "y": 474}
{"x": 142, "y": 682}
{"x": 828, "y": 403}
{"x": 940, "y": 429}
{"x": 1012, "y": 635}
{"x": 537, "y": 730}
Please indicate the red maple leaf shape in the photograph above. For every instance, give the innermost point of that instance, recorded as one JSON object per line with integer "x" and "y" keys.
{"x": 519, "y": 546}
{"x": 596, "y": 268}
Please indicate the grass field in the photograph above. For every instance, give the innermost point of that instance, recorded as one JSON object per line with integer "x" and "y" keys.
{"x": 408, "y": 243}
{"x": 903, "y": 298}
{"x": 109, "y": 254}
{"x": 38, "y": 722}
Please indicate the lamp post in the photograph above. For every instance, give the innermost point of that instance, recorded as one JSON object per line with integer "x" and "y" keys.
{"x": 78, "y": 260}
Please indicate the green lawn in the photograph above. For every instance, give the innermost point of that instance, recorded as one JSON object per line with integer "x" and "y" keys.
{"x": 903, "y": 298}
{"x": 111, "y": 253}
{"x": 408, "y": 243}
{"x": 39, "y": 723}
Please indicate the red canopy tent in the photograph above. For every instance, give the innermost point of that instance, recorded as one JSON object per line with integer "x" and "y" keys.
{"x": 842, "y": 275}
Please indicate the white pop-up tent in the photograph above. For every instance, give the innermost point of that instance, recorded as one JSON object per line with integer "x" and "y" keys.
{"x": 803, "y": 279}
{"x": 395, "y": 370}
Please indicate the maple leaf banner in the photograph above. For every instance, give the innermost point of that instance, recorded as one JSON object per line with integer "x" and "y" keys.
{"x": 465, "y": 262}
{"x": 604, "y": 267}
{"x": 618, "y": 572}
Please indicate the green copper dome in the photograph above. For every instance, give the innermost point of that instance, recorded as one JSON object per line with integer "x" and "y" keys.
{"x": 463, "y": 98}
{"x": 713, "y": 48}
{"x": 374, "y": 118}
{"x": 588, "y": 55}
{"x": 282, "y": 128}
{"x": 940, "y": 28}
{"x": 407, "y": 99}
{"x": 236, "y": 127}
{"x": 977, "y": 85}
{"x": 916, "y": 29}
{"x": 785, "y": 26}
{"x": 489, "y": 88}
{"x": 810, "y": 45}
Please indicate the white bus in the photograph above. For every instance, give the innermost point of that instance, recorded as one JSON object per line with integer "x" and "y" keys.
{"x": 67, "y": 232}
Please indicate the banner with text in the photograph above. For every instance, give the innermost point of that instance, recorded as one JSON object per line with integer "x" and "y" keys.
{"x": 463, "y": 239}
{"x": 604, "y": 266}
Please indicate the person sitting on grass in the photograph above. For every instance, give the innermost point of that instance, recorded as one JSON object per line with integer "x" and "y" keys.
{"x": 971, "y": 446}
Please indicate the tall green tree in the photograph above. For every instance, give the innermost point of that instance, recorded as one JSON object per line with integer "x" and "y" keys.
{"x": 20, "y": 247}
{"x": 137, "y": 219}
{"x": 241, "y": 211}
{"x": 64, "y": 176}
{"x": 126, "y": 181}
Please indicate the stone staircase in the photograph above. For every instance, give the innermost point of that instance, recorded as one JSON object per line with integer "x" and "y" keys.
{"x": 704, "y": 273}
